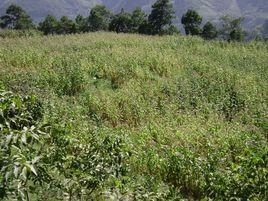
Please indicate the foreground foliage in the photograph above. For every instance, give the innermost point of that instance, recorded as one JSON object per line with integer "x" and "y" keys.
{"x": 31, "y": 157}
{"x": 133, "y": 117}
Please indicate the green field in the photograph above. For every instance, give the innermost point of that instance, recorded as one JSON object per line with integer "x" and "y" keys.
{"x": 136, "y": 117}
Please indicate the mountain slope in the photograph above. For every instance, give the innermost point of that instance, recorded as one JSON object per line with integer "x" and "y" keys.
{"x": 255, "y": 11}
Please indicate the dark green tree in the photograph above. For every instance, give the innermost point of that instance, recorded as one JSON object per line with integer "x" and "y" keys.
{"x": 121, "y": 22}
{"x": 99, "y": 18}
{"x": 145, "y": 28}
{"x": 236, "y": 35}
{"x": 49, "y": 25}
{"x": 191, "y": 21}
{"x": 138, "y": 18}
{"x": 16, "y": 18}
{"x": 161, "y": 16}
{"x": 171, "y": 30}
{"x": 65, "y": 26}
{"x": 209, "y": 32}
{"x": 232, "y": 28}
{"x": 80, "y": 24}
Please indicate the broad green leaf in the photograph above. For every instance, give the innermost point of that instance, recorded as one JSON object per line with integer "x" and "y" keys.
{"x": 7, "y": 175}
{"x": 16, "y": 171}
{"x": 24, "y": 173}
{"x": 32, "y": 128}
{"x": 23, "y": 138}
{"x": 8, "y": 139}
{"x": 36, "y": 159}
{"x": 31, "y": 167}
{"x": 15, "y": 147}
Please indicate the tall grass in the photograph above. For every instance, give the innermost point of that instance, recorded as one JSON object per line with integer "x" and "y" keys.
{"x": 193, "y": 113}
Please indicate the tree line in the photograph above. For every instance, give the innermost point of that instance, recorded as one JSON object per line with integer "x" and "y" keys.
{"x": 159, "y": 22}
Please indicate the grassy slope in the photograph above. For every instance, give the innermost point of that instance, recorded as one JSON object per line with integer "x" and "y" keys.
{"x": 193, "y": 112}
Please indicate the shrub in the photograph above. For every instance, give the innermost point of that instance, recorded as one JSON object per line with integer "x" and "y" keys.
{"x": 32, "y": 161}
{"x": 21, "y": 145}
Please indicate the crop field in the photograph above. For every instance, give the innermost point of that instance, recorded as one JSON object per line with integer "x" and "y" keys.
{"x": 132, "y": 117}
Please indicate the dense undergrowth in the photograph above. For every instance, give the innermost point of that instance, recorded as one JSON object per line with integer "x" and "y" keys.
{"x": 8, "y": 33}
{"x": 106, "y": 117}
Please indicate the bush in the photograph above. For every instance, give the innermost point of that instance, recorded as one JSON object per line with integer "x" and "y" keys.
{"x": 32, "y": 161}
{"x": 21, "y": 145}
{"x": 79, "y": 169}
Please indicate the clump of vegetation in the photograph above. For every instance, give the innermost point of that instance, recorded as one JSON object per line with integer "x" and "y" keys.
{"x": 218, "y": 172}
{"x": 35, "y": 156}
{"x": 8, "y": 33}
{"x": 123, "y": 116}
{"x": 231, "y": 28}
{"x": 16, "y": 18}
{"x": 191, "y": 22}
{"x": 21, "y": 145}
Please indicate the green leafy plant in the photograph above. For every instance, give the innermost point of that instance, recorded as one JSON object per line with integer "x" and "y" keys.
{"x": 21, "y": 145}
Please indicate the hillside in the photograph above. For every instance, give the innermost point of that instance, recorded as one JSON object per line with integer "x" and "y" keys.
{"x": 131, "y": 117}
{"x": 255, "y": 11}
